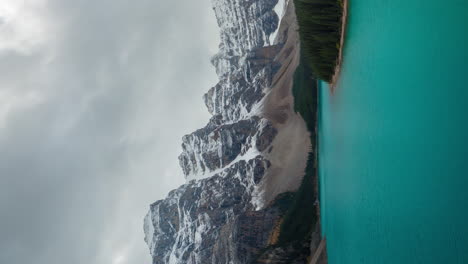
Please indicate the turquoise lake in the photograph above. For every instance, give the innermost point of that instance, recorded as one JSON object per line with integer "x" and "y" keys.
{"x": 393, "y": 138}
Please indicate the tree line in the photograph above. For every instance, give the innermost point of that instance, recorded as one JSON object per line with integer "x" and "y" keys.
{"x": 320, "y": 32}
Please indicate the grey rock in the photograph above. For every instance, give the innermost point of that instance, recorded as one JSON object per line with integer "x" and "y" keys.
{"x": 217, "y": 216}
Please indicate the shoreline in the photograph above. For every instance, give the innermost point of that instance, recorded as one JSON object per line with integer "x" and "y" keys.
{"x": 339, "y": 61}
{"x": 320, "y": 255}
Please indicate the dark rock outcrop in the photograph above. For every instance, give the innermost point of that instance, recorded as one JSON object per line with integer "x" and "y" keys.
{"x": 218, "y": 216}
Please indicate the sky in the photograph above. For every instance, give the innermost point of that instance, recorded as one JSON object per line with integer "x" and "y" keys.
{"x": 94, "y": 99}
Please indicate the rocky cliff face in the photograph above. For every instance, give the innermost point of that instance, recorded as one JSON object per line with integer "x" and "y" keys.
{"x": 218, "y": 216}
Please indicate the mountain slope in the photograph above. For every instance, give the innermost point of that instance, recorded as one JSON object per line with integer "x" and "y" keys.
{"x": 253, "y": 150}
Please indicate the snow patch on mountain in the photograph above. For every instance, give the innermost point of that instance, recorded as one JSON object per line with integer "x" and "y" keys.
{"x": 280, "y": 9}
{"x": 225, "y": 161}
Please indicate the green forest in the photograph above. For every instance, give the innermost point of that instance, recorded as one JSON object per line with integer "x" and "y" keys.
{"x": 320, "y": 32}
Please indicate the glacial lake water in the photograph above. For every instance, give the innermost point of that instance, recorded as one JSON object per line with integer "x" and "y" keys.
{"x": 393, "y": 139}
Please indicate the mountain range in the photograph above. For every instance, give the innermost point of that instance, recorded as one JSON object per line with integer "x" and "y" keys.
{"x": 253, "y": 151}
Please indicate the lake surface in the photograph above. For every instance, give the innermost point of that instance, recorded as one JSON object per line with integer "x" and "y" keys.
{"x": 393, "y": 139}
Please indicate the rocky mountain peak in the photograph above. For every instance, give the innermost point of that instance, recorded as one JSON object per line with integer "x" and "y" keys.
{"x": 219, "y": 215}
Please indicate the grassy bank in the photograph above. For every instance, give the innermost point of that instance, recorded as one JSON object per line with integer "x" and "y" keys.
{"x": 320, "y": 23}
{"x": 300, "y": 219}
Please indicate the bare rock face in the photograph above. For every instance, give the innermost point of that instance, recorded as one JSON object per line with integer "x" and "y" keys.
{"x": 205, "y": 221}
{"x": 245, "y": 25}
{"x": 245, "y": 67}
{"x": 215, "y": 147}
{"x": 217, "y": 216}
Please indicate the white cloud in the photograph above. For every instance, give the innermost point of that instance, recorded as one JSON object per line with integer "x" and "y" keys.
{"x": 11, "y": 102}
{"x": 94, "y": 99}
{"x": 23, "y": 25}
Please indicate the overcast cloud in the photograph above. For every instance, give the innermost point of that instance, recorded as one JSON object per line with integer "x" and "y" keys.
{"x": 94, "y": 99}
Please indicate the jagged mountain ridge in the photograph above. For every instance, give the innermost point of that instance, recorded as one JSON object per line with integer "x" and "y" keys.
{"x": 219, "y": 215}
{"x": 245, "y": 68}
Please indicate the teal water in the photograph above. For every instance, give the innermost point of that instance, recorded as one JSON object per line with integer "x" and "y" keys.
{"x": 393, "y": 139}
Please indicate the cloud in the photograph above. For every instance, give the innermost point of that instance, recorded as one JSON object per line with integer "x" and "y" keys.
{"x": 94, "y": 98}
